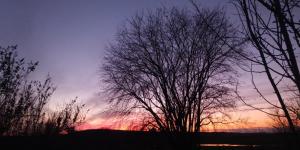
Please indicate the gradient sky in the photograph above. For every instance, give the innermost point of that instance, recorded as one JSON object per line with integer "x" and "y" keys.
{"x": 68, "y": 38}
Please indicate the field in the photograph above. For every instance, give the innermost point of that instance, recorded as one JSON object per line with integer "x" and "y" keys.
{"x": 134, "y": 140}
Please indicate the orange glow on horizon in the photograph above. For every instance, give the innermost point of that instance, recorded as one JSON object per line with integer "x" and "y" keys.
{"x": 257, "y": 121}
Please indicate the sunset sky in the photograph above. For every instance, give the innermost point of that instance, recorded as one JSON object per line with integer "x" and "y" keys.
{"x": 68, "y": 38}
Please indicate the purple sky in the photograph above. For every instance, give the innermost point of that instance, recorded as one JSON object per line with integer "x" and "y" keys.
{"x": 68, "y": 38}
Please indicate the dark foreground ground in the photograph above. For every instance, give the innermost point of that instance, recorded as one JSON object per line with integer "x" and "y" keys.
{"x": 128, "y": 140}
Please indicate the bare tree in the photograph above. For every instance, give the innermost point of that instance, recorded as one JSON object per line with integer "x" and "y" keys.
{"x": 274, "y": 32}
{"x": 176, "y": 67}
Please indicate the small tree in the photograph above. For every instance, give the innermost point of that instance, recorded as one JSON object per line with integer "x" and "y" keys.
{"x": 176, "y": 67}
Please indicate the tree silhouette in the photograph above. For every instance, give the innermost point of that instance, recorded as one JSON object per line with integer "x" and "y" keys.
{"x": 176, "y": 67}
{"x": 273, "y": 30}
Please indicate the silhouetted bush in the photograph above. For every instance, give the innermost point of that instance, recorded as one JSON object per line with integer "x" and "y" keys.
{"x": 23, "y": 101}
{"x": 66, "y": 119}
{"x": 280, "y": 123}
